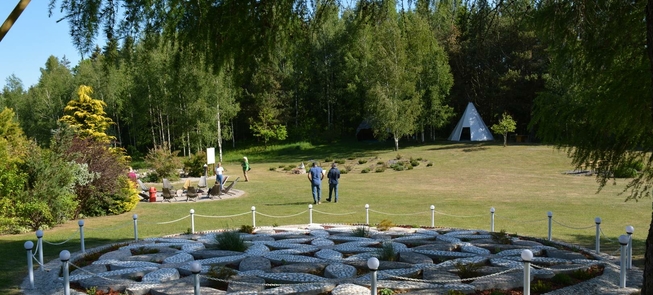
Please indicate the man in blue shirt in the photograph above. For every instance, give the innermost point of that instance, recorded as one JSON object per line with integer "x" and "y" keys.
{"x": 333, "y": 176}
{"x": 315, "y": 175}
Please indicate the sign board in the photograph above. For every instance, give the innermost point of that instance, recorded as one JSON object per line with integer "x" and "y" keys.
{"x": 210, "y": 156}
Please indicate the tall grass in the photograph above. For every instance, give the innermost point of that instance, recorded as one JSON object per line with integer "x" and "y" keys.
{"x": 522, "y": 182}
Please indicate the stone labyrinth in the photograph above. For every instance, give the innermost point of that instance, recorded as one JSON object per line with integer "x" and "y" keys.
{"x": 325, "y": 260}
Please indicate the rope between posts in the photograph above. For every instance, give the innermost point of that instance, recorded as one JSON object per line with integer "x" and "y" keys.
{"x": 337, "y": 214}
{"x": 225, "y": 216}
{"x": 461, "y": 216}
{"x": 562, "y": 269}
{"x": 94, "y": 274}
{"x": 57, "y": 244}
{"x": 606, "y": 237}
{"x": 518, "y": 221}
{"x": 167, "y": 222}
{"x": 273, "y": 216}
{"x": 591, "y": 226}
{"x": 35, "y": 251}
{"x": 111, "y": 228}
{"x": 399, "y": 214}
{"x": 450, "y": 281}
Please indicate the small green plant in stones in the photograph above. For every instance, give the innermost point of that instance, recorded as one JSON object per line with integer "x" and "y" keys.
{"x": 362, "y": 161}
{"x": 361, "y": 231}
{"x": 455, "y": 292}
{"x": 466, "y": 271}
{"x": 386, "y": 291}
{"x": 387, "y": 252}
{"x": 246, "y": 228}
{"x": 563, "y": 279}
{"x": 540, "y": 286}
{"x": 231, "y": 240}
{"x": 91, "y": 290}
{"x": 189, "y": 231}
{"x": 501, "y": 237}
{"x": 366, "y": 170}
{"x": 384, "y": 225}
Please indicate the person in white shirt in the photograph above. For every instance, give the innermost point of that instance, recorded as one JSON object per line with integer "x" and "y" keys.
{"x": 218, "y": 174}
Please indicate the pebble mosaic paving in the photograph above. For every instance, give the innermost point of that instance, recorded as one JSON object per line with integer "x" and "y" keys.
{"x": 323, "y": 260}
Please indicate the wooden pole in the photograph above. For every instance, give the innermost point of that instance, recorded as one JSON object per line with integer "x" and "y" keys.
{"x": 13, "y": 16}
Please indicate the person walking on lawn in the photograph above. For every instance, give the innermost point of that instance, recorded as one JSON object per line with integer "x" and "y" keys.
{"x": 333, "y": 176}
{"x": 245, "y": 165}
{"x": 315, "y": 176}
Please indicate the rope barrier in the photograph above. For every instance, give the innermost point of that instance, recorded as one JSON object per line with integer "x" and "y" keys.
{"x": 399, "y": 214}
{"x": 111, "y": 228}
{"x": 518, "y": 221}
{"x": 68, "y": 239}
{"x": 258, "y": 284}
{"x": 94, "y": 274}
{"x": 606, "y": 237}
{"x": 451, "y": 281}
{"x": 225, "y": 216}
{"x": 168, "y": 222}
{"x": 591, "y": 226}
{"x": 273, "y": 216}
{"x": 336, "y": 214}
{"x": 562, "y": 269}
{"x": 460, "y": 216}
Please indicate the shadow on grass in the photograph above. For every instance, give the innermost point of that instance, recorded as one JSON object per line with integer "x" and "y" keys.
{"x": 13, "y": 268}
{"x": 612, "y": 246}
{"x": 287, "y": 204}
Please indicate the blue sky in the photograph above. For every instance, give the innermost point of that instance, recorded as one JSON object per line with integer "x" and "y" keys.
{"x": 31, "y": 40}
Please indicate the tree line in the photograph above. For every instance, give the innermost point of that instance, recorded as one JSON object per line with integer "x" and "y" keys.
{"x": 315, "y": 74}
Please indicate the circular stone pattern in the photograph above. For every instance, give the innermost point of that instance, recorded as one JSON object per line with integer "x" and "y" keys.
{"x": 323, "y": 260}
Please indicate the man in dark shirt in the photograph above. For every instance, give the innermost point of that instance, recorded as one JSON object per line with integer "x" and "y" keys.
{"x": 333, "y": 176}
{"x": 315, "y": 175}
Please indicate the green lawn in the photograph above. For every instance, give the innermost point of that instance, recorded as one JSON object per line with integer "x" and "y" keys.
{"x": 522, "y": 182}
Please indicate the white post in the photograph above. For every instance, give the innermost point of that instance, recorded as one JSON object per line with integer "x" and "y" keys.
{"x": 30, "y": 268}
{"x": 253, "y": 216}
{"x": 432, "y": 215}
{"x": 492, "y": 219}
{"x": 373, "y": 264}
{"x": 310, "y": 214}
{"x": 550, "y": 214}
{"x": 39, "y": 246}
{"x": 597, "y": 243}
{"x": 64, "y": 256}
{"x": 623, "y": 240}
{"x": 629, "y": 230}
{"x": 81, "y": 234}
{"x": 196, "y": 268}
{"x": 527, "y": 256}
{"x": 192, "y": 221}
{"x": 367, "y": 214}
{"x": 135, "y": 217}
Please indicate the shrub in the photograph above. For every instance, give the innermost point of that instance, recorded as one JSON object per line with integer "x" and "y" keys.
{"x": 287, "y": 168}
{"x": 380, "y": 169}
{"x": 410, "y": 167}
{"x": 194, "y": 165}
{"x": 281, "y": 166}
{"x": 397, "y": 167}
{"x": 328, "y": 159}
{"x": 246, "y": 228}
{"x": 366, "y": 170}
{"x": 419, "y": 159}
{"x": 380, "y": 163}
{"x": 362, "y": 161}
{"x": 340, "y": 162}
{"x": 361, "y": 231}
{"x": 386, "y": 291}
{"x": 398, "y": 157}
{"x": 414, "y": 163}
{"x": 273, "y": 169}
{"x": 164, "y": 162}
{"x": 429, "y": 164}
{"x": 351, "y": 158}
{"x": 343, "y": 172}
{"x": 232, "y": 241}
{"x": 348, "y": 168}
{"x": 384, "y": 225}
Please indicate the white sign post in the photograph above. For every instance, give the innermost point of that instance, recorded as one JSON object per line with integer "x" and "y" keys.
{"x": 210, "y": 156}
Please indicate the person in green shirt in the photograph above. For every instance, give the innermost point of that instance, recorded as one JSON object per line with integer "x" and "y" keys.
{"x": 245, "y": 165}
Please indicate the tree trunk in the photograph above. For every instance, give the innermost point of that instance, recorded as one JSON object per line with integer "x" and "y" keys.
{"x": 505, "y": 139}
{"x": 396, "y": 143}
{"x": 219, "y": 136}
{"x": 647, "y": 285}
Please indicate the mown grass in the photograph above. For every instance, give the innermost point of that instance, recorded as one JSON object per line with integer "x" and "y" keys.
{"x": 522, "y": 182}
